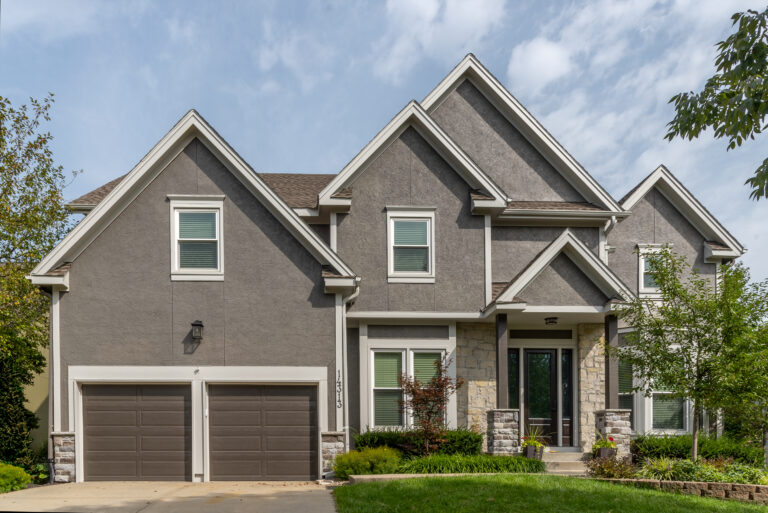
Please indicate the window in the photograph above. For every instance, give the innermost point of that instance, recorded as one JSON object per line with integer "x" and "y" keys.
{"x": 668, "y": 412}
{"x": 646, "y": 282}
{"x": 196, "y": 239}
{"x": 411, "y": 245}
{"x": 387, "y": 394}
{"x": 626, "y": 394}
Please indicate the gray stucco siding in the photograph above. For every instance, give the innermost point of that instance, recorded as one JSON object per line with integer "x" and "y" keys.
{"x": 513, "y": 248}
{"x": 411, "y": 173}
{"x": 499, "y": 148}
{"x": 562, "y": 283}
{"x": 655, "y": 220}
{"x": 123, "y": 309}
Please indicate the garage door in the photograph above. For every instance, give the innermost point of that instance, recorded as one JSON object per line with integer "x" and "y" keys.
{"x": 262, "y": 432}
{"x": 137, "y": 432}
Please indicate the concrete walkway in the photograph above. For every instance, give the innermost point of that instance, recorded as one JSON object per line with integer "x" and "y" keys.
{"x": 161, "y": 497}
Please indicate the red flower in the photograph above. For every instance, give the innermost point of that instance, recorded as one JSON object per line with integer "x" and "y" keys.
{"x": 610, "y": 438}
{"x": 524, "y": 437}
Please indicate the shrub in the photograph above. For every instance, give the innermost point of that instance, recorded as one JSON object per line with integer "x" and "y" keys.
{"x": 679, "y": 447}
{"x": 453, "y": 441}
{"x": 611, "y": 468}
{"x": 13, "y": 478}
{"x": 455, "y": 463}
{"x": 667, "y": 469}
{"x": 379, "y": 460}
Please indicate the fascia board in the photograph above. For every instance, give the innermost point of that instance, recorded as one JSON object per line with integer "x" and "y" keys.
{"x": 61, "y": 282}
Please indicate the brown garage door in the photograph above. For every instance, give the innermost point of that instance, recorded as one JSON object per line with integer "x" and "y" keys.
{"x": 260, "y": 432}
{"x": 137, "y": 432}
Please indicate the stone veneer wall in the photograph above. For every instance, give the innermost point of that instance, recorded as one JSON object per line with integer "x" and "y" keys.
{"x": 503, "y": 431}
{"x": 332, "y": 446}
{"x": 591, "y": 340}
{"x": 615, "y": 423}
{"x": 63, "y": 457}
{"x": 476, "y": 365}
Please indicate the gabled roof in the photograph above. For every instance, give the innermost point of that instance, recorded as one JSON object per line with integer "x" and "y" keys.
{"x": 470, "y": 68}
{"x": 586, "y": 260}
{"x": 666, "y": 183}
{"x": 189, "y": 127}
{"x": 414, "y": 115}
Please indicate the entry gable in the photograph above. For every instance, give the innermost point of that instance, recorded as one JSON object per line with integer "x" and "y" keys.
{"x": 488, "y": 194}
{"x": 566, "y": 178}
{"x": 191, "y": 126}
{"x": 577, "y": 256}
{"x": 723, "y": 244}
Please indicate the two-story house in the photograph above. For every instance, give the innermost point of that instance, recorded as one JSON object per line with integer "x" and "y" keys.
{"x": 209, "y": 322}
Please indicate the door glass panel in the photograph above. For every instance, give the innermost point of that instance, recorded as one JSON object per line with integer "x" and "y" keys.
{"x": 539, "y": 385}
{"x": 513, "y": 365}
{"x": 565, "y": 371}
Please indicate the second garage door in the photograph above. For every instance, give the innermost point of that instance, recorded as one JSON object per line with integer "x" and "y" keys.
{"x": 262, "y": 432}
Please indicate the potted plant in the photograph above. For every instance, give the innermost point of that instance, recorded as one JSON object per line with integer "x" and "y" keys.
{"x": 604, "y": 447}
{"x": 532, "y": 445}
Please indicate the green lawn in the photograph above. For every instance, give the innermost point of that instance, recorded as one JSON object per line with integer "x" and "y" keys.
{"x": 520, "y": 493}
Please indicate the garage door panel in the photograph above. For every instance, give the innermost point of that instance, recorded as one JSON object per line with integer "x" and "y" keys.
{"x": 137, "y": 432}
{"x": 288, "y": 418}
{"x": 236, "y": 443}
{"x": 235, "y": 418}
{"x": 289, "y": 443}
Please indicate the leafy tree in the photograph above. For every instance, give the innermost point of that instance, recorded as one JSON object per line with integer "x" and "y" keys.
{"x": 700, "y": 342}
{"x": 428, "y": 401}
{"x": 32, "y": 220}
{"x": 734, "y": 101}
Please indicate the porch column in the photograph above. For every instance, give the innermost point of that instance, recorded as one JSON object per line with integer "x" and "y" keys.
{"x": 611, "y": 363}
{"x": 502, "y": 372}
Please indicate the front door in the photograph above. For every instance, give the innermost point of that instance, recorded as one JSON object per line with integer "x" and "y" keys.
{"x": 540, "y": 375}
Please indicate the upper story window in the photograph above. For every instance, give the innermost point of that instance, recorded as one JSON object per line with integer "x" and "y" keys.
{"x": 411, "y": 241}
{"x": 196, "y": 238}
{"x": 646, "y": 283}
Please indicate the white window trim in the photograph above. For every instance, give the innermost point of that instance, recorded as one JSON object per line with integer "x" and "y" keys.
{"x": 643, "y": 250}
{"x": 410, "y": 213}
{"x": 196, "y": 203}
{"x": 445, "y": 346}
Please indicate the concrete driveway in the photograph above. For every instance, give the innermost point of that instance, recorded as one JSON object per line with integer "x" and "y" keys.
{"x": 157, "y": 497}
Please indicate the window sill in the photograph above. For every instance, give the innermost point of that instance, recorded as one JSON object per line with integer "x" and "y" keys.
{"x": 411, "y": 279}
{"x": 197, "y": 277}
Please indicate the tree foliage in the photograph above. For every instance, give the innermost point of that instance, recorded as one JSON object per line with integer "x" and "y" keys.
{"x": 700, "y": 341}
{"x": 734, "y": 101}
{"x": 32, "y": 220}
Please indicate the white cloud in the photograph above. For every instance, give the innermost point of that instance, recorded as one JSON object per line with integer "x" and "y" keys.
{"x": 536, "y": 63}
{"x": 442, "y": 30}
{"x": 181, "y": 31}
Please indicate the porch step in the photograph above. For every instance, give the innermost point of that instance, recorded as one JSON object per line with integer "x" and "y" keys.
{"x": 562, "y": 456}
{"x": 565, "y": 466}
{"x": 565, "y": 463}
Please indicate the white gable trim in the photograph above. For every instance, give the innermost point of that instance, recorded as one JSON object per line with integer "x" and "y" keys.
{"x": 522, "y": 120}
{"x": 687, "y": 204}
{"x": 585, "y": 259}
{"x": 413, "y": 115}
{"x": 189, "y": 127}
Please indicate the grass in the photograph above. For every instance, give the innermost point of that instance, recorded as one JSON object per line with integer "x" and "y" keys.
{"x": 520, "y": 493}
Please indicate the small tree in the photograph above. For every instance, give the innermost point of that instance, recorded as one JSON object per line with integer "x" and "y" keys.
{"x": 694, "y": 338}
{"x": 428, "y": 401}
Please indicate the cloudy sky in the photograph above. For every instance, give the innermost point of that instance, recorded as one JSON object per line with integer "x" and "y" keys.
{"x": 302, "y": 87}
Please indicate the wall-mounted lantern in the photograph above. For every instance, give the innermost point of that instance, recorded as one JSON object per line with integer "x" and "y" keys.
{"x": 550, "y": 321}
{"x": 197, "y": 331}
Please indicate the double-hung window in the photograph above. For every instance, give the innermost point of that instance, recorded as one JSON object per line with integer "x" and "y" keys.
{"x": 626, "y": 390}
{"x": 668, "y": 412}
{"x": 196, "y": 239}
{"x": 646, "y": 281}
{"x": 411, "y": 241}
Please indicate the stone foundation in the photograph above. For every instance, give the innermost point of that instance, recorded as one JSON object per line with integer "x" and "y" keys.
{"x": 591, "y": 341}
{"x": 63, "y": 457}
{"x": 332, "y": 446}
{"x": 476, "y": 365}
{"x": 615, "y": 423}
{"x": 742, "y": 492}
{"x": 503, "y": 431}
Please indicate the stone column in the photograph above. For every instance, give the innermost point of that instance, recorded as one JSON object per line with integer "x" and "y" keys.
{"x": 63, "y": 457}
{"x": 503, "y": 431}
{"x": 476, "y": 365}
{"x": 591, "y": 380}
{"x": 332, "y": 446}
{"x": 615, "y": 423}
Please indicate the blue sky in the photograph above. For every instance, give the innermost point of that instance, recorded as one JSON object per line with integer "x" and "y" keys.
{"x": 302, "y": 87}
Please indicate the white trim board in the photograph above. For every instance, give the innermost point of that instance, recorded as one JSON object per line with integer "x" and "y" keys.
{"x": 671, "y": 188}
{"x": 471, "y": 68}
{"x": 189, "y": 127}
{"x": 198, "y": 378}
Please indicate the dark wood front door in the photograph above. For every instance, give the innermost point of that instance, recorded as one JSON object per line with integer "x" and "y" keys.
{"x": 540, "y": 374}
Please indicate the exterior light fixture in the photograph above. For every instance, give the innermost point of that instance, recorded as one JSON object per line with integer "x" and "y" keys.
{"x": 197, "y": 331}
{"x": 550, "y": 320}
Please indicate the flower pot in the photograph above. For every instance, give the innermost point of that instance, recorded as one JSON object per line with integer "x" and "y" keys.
{"x": 605, "y": 452}
{"x": 533, "y": 452}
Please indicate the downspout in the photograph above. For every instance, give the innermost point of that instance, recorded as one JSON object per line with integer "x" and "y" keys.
{"x": 344, "y": 302}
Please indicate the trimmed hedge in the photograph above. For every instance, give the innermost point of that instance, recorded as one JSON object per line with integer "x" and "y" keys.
{"x": 479, "y": 463}
{"x": 454, "y": 441}
{"x": 13, "y": 478}
{"x": 378, "y": 460}
{"x": 679, "y": 447}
